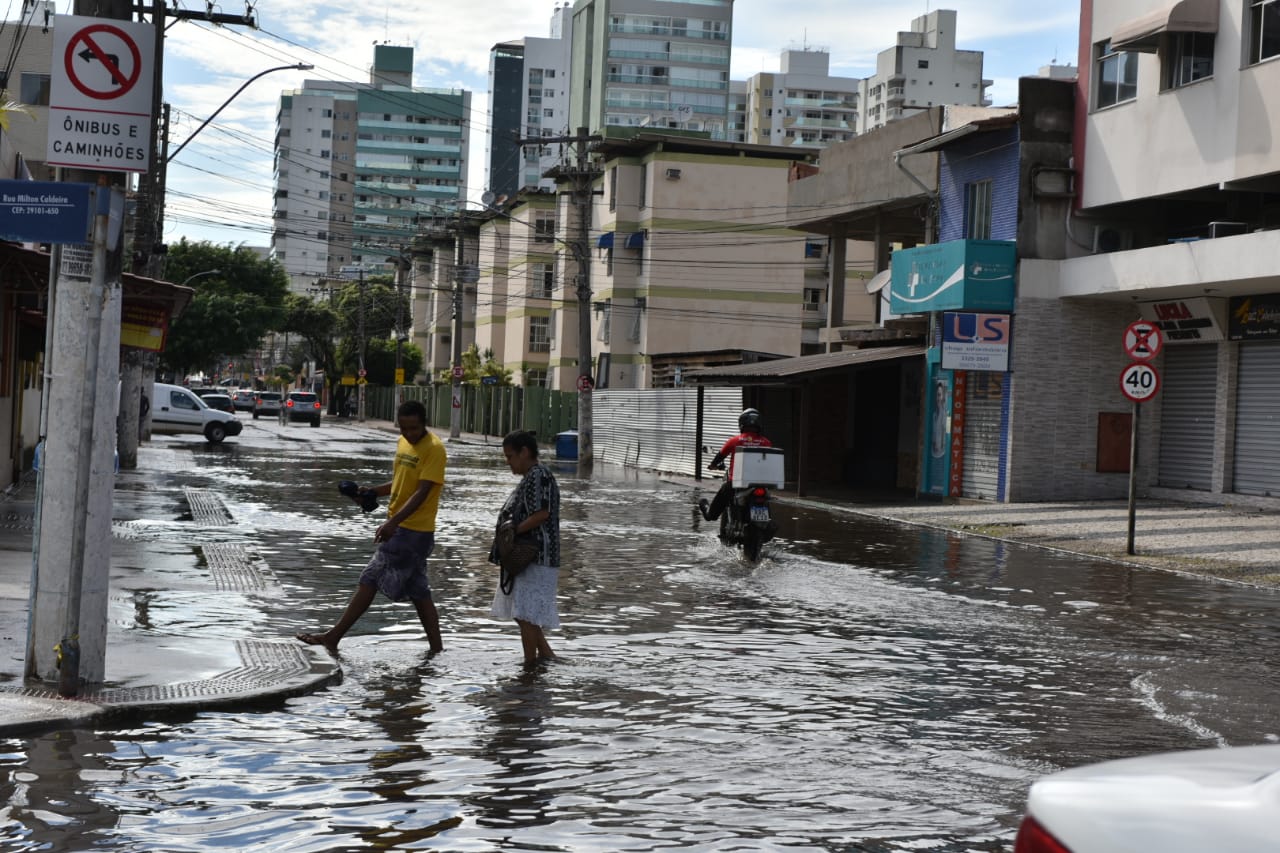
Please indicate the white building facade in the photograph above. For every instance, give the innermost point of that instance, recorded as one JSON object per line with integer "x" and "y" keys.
{"x": 802, "y": 104}
{"x": 924, "y": 69}
{"x": 649, "y": 63}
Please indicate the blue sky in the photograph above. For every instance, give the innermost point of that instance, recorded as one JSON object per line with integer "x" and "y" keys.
{"x": 220, "y": 185}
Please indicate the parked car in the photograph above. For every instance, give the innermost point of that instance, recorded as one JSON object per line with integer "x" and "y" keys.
{"x": 176, "y": 410}
{"x": 209, "y": 391}
{"x": 1220, "y": 800}
{"x": 301, "y": 406}
{"x": 221, "y": 402}
{"x": 243, "y": 399}
{"x": 266, "y": 403}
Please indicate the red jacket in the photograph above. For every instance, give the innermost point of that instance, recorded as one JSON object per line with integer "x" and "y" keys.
{"x": 742, "y": 439}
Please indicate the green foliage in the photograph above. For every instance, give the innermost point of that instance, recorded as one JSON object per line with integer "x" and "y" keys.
{"x": 282, "y": 376}
{"x": 232, "y": 308}
{"x": 380, "y": 360}
{"x": 315, "y": 323}
{"x": 476, "y": 366}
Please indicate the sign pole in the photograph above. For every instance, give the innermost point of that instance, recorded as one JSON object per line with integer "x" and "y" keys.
{"x": 1133, "y": 476}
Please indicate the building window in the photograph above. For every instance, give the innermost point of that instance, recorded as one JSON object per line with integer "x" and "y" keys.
{"x": 544, "y": 227}
{"x": 35, "y": 89}
{"x": 977, "y": 224}
{"x": 613, "y": 188}
{"x": 534, "y": 378}
{"x": 922, "y": 63}
{"x": 643, "y": 201}
{"x": 605, "y": 309}
{"x": 1189, "y": 58}
{"x": 633, "y": 335}
{"x": 542, "y": 279}
{"x": 1117, "y": 75}
{"x": 1264, "y": 29}
{"x": 539, "y": 334}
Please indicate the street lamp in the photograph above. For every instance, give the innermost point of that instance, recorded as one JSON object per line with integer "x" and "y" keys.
{"x": 300, "y": 66}
{"x": 198, "y": 275}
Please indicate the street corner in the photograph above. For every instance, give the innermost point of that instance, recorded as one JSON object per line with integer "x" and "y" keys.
{"x": 25, "y": 712}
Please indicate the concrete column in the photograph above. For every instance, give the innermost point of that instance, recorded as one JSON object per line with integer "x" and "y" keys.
{"x": 1224, "y": 419}
{"x": 63, "y": 503}
{"x": 147, "y": 381}
{"x": 127, "y": 429}
{"x": 835, "y": 283}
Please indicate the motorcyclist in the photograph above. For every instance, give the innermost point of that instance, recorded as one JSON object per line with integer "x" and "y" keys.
{"x": 749, "y": 435}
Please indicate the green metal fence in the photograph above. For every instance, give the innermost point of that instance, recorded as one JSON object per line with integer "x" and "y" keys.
{"x": 486, "y": 409}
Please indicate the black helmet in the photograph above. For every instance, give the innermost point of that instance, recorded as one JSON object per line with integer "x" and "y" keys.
{"x": 749, "y": 421}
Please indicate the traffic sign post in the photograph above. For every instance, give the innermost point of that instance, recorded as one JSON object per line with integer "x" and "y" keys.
{"x": 100, "y": 94}
{"x": 1140, "y": 382}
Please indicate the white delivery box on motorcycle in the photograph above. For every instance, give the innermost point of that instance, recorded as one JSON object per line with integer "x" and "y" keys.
{"x": 758, "y": 466}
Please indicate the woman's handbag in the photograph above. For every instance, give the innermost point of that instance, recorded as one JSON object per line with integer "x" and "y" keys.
{"x": 515, "y": 552}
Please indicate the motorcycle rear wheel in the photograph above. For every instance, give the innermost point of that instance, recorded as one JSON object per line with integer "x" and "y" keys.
{"x": 751, "y": 543}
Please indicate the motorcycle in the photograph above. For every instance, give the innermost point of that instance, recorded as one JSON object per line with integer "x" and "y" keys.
{"x": 747, "y": 521}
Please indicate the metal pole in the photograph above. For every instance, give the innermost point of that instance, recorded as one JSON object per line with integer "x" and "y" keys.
{"x": 1133, "y": 477}
{"x": 298, "y": 66}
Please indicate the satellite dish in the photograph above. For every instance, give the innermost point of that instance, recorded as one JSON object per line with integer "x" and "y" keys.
{"x": 487, "y": 197}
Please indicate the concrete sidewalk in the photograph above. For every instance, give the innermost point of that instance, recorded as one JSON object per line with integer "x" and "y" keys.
{"x": 157, "y": 567}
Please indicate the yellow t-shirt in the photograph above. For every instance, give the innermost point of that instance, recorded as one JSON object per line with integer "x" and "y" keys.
{"x": 414, "y": 463}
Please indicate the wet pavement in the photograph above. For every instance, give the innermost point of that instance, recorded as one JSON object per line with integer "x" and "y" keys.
{"x": 870, "y": 685}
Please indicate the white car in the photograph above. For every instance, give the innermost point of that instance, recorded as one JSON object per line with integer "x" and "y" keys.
{"x": 1203, "y": 801}
{"x": 175, "y": 409}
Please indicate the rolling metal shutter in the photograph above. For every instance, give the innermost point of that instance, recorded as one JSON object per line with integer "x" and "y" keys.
{"x": 1256, "y": 467}
{"x": 986, "y": 418}
{"x": 1188, "y": 389}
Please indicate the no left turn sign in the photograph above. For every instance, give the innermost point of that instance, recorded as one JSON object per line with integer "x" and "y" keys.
{"x": 102, "y": 61}
{"x": 1139, "y": 382}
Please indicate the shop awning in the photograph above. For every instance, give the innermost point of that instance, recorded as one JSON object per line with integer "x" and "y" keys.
{"x": 784, "y": 371}
{"x": 605, "y": 240}
{"x": 636, "y": 240}
{"x": 1186, "y": 16}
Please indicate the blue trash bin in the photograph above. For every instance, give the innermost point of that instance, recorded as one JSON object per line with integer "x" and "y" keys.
{"x": 567, "y": 444}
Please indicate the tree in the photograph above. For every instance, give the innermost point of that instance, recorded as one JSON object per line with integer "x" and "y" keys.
{"x": 476, "y": 366}
{"x": 316, "y": 324}
{"x": 232, "y": 308}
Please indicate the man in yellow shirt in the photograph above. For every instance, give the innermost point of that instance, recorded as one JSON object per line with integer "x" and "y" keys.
{"x": 399, "y": 566}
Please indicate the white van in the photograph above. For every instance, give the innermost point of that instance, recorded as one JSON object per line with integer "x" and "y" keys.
{"x": 175, "y": 409}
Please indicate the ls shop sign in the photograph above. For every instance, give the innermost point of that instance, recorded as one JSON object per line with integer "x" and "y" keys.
{"x": 976, "y": 341}
{"x": 100, "y": 94}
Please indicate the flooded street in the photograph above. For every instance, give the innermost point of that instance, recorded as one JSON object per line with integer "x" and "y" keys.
{"x": 867, "y": 687}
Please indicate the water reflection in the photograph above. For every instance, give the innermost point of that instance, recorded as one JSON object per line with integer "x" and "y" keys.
{"x": 866, "y": 686}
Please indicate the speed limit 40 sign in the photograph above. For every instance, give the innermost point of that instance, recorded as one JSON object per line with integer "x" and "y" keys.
{"x": 1139, "y": 382}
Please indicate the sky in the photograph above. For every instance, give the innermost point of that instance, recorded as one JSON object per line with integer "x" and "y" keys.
{"x": 220, "y": 185}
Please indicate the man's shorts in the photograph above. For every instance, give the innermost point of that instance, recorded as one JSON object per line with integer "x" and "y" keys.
{"x": 399, "y": 566}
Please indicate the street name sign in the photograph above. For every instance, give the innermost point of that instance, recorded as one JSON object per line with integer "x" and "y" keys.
{"x": 46, "y": 212}
{"x": 100, "y": 94}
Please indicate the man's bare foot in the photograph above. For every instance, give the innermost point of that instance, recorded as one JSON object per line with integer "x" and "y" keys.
{"x": 433, "y": 651}
{"x": 319, "y": 640}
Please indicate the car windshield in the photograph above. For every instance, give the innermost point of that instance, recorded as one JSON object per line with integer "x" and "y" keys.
{"x": 268, "y": 395}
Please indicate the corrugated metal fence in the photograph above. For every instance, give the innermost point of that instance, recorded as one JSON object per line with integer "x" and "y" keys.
{"x": 486, "y": 409}
{"x": 647, "y": 428}
{"x": 655, "y": 428}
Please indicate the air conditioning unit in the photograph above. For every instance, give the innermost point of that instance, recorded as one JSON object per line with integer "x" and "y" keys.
{"x": 673, "y": 174}
{"x": 1109, "y": 239}
{"x": 1227, "y": 229}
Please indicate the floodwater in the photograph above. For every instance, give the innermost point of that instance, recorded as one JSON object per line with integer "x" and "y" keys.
{"x": 865, "y": 687}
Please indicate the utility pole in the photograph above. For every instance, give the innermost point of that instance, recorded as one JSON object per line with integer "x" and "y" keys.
{"x": 583, "y": 175}
{"x": 403, "y": 266}
{"x": 360, "y": 382}
{"x": 455, "y": 413}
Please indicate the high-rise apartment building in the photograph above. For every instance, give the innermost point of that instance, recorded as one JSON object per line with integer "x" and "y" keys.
{"x": 640, "y": 63}
{"x": 529, "y": 90}
{"x": 923, "y": 70}
{"x": 356, "y": 165}
{"x": 802, "y": 104}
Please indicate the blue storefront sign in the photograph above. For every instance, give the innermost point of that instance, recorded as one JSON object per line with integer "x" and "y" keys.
{"x": 959, "y": 275}
{"x": 45, "y": 212}
{"x": 976, "y": 341}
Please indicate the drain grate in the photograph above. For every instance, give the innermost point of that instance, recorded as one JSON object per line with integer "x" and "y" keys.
{"x": 207, "y": 508}
{"x": 235, "y": 569}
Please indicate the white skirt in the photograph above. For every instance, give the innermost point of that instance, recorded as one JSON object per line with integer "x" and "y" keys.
{"x": 532, "y": 598}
